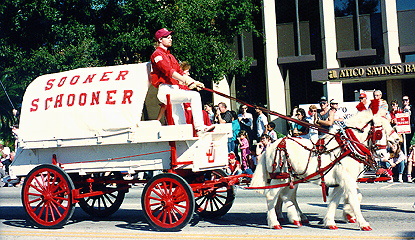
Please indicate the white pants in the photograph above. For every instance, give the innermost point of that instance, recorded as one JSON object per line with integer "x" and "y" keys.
{"x": 178, "y": 97}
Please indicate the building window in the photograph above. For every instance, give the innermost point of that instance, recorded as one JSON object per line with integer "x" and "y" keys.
{"x": 295, "y": 26}
{"x": 410, "y": 58}
{"x": 354, "y": 21}
{"x": 402, "y": 5}
{"x": 406, "y": 25}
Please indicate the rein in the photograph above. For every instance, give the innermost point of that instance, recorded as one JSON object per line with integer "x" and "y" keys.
{"x": 349, "y": 147}
{"x": 305, "y": 124}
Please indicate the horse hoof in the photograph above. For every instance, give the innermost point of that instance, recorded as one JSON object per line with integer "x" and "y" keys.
{"x": 332, "y": 227}
{"x": 298, "y": 223}
{"x": 367, "y": 228}
{"x": 281, "y": 220}
{"x": 277, "y": 227}
{"x": 306, "y": 221}
{"x": 350, "y": 219}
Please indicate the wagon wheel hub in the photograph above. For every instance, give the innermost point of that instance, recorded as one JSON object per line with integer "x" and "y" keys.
{"x": 167, "y": 203}
{"x": 47, "y": 196}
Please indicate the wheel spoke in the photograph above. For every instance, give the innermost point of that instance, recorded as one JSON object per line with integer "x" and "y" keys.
{"x": 158, "y": 193}
{"x": 51, "y": 206}
{"x": 46, "y": 212}
{"x": 164, "y": 216}
{"x": 215, "y": 201}
{"x": 99, "y": 203}
{"x": 60, "y": 205}
{"x": 154, "y": 198}
{"x": 34, "y": 194}
{"x": 34, "y": 200}
{"x": 36, "y": 188}
{"x": 178, "y": 211}
{"x": 109, "y": 199}
{"x": 177, "y": 218}
{"x": 42, "y": 188}
{"x": 104, "y": 202}
{"x": 57, "y": 210}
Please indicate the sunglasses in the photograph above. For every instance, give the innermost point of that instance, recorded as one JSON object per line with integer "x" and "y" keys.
{"x": 405, "y": 99}
{"x": 313, "y": 111}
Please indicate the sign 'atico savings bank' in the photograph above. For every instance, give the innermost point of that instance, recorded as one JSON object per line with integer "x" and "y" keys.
{"x": 365, "y": 72}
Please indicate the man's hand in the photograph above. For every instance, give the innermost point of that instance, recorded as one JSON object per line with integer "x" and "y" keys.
{"x": 196, "y": 84}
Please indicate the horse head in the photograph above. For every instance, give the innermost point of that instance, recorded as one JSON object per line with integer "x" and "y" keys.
{"x": 381, "y": 136}
{"x": 374, "y": 131}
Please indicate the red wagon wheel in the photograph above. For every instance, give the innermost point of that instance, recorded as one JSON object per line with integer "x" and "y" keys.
{"x": 215, "y": 202}
{"x": 103, "y": 205}
{"x": 168, "y": 202}
{"x": 47, "y": 196}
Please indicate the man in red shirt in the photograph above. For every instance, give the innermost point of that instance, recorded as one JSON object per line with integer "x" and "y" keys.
{"x": 167, "y": 75}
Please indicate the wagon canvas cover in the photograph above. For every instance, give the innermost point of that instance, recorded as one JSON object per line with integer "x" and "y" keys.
{"x": 83, "y": 103}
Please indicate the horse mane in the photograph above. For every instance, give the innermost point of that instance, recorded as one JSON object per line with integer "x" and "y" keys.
{"x": 380, "y": 119}
{"x": 260, "y": 176}
{"x": 360, "y": 119}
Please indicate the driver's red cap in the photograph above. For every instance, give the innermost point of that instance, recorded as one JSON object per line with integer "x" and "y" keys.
{"x": 162, "y": 33}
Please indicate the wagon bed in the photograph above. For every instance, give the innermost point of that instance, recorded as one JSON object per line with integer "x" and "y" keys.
{"x": 83, "y": 130}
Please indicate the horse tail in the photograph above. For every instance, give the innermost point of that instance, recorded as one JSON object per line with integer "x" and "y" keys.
{"x": 260, "y": 176}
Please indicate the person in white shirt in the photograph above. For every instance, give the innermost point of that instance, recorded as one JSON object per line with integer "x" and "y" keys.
{"x": 5, "y": 157}
{"x": 261, "y": 122}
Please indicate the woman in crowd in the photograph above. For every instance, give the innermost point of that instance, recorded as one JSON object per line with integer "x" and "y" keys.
{"x": 396, "y": 159}
{"x": 394, "y": 110}
{"x": 299, "y": 130}
{"x": 246, "y": 121}
{"x": 312, "y": 133}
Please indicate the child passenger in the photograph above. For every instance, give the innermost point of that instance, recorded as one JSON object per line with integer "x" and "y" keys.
{"x": 245, "y": 152}
{"x": 233, "y": 167}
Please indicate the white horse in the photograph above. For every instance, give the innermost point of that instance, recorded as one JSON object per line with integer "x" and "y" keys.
{"x": 302, "y": 160}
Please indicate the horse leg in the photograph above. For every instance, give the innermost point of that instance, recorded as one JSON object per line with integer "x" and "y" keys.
{"x": 287, "y": 195}
{"x": 304, "y": 219}
{"x": 328, "y": 220}
{"x": 348, "y": 213}
{"x": 272, "y": 196}
{"x": 351, "y": 192}
{"x": 278, "y": 209}
{"x": 292, "y": 196}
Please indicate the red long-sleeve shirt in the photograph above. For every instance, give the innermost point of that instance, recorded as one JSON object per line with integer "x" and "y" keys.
{"x": 164, "y": 64}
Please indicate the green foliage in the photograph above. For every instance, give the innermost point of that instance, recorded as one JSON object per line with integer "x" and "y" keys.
{"x": 46, "y": 36}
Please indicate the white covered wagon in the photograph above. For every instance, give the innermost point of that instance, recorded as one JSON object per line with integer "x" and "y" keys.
{"x": 82, "y": 131}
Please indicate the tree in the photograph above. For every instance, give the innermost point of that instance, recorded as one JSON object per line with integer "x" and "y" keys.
{"x": 45, "y": 36}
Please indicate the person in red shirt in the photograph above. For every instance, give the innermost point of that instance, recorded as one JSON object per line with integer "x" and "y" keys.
{"x": 234, "y": 166}
{"x": 364, "y": 102}
{"x": 395, "y": 110}
{"x": 167, "y": 76}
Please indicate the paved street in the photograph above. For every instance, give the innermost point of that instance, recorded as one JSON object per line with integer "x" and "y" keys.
{"x": 388, "y": 207}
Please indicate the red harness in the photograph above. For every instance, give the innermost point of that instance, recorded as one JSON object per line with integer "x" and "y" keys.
{"x": 349, "y": 144}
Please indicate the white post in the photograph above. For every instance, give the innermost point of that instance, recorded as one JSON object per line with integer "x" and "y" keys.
{"x": 331, "y": 89}
{"x": 274, "y": 79}
{"x": 390, "y": 31}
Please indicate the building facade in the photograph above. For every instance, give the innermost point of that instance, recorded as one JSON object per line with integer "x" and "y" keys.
{"x": 335, "y": 48}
